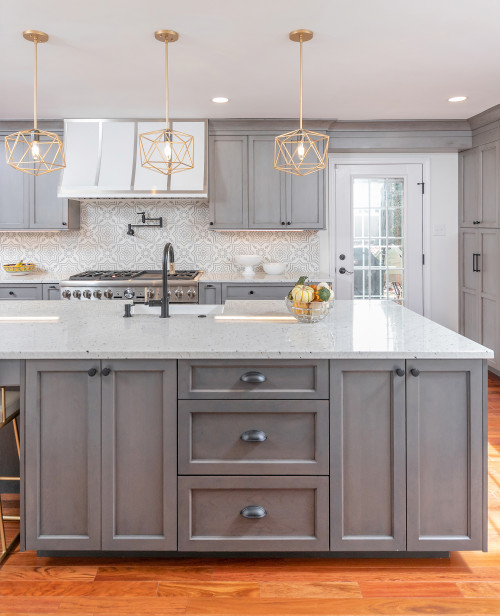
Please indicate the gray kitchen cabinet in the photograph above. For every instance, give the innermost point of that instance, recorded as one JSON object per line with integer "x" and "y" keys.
{"x": 367, "y": 455}
{"x": 51, "y": 291}
{"x": 139, "y": 453}
{"x": 480, "y": 288}
{"x": 62, "y": 482}
{"x": 267, "y": 202}
{"x": 23, "y": 290}
{"x": 228, "y": 187}
{"x": 479, "y": 192}
{"x": 28, "y": 202}
{"x": 209, "y": 293}
{"x": 259, "y": 290}
{"x": 246, "y": 192}
{"x": 445, "y": 423}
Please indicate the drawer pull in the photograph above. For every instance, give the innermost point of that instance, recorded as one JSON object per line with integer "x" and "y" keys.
{"x": 253, "y": 436}
{"x": 253, "y": 512}
{"x": 253, "y": 377}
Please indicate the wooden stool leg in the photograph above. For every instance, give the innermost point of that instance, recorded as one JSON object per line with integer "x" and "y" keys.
{"x": 16, "y": 434}
{"x": 7, "y": 549}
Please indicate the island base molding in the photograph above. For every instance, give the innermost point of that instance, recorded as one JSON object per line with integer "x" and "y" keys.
{"x": 339, "y": 457}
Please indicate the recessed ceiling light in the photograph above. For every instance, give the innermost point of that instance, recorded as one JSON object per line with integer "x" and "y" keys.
{"x": 457, "y": 99}
{"x": 220, "y": 99}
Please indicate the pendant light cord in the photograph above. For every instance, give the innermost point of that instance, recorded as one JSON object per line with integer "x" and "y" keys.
{"x": 301, "y": 82}
{"x": 166, "y": 80}
{"x": 35, "y": 110}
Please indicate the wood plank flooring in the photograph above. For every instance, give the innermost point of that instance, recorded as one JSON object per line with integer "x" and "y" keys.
{"x": 467, "y": 583}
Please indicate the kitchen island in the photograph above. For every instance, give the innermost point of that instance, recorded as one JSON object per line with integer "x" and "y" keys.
{"x": 365, "y": 432}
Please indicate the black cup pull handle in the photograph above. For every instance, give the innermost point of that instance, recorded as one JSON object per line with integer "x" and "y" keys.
{"x": 92, "y": 372}
{"x": 253, "y": 512}
{"x": 253, "y": 436}
{"x": 106, "y": 371}
{"x": 414, "y": 372}
{"x": 253, "y": 377}
{"x": 399, "y": 372}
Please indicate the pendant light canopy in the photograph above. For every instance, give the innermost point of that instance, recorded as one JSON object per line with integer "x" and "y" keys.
{"x": 301, "y": 151}
{"x": 166, "y": 151}
{"x": 35, "y": 151}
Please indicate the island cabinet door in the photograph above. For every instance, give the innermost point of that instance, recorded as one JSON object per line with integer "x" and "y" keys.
{"x": 63, "y": 455}
{"x": 367, "y": 461}
{"x": 445, "y": 454}
{"x": 139, "y": 453}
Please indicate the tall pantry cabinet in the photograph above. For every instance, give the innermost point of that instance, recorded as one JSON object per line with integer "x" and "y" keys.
{"x": 479, "y": 235}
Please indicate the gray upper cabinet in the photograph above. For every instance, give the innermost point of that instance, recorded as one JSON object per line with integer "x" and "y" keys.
{"x": 228, "y": 191}
{"x": 367, "y": 455}
{"x": 247, "y": 192}
{"x": 445, "y": 426}
{"x": 28, "y": 202}
{"x": 479, "y": 186}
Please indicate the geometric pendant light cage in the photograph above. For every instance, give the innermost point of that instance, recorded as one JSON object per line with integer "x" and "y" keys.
{"x": 35, "y": 151}
{"x": 301, "y": 151}
{"x": 166, "y": 151}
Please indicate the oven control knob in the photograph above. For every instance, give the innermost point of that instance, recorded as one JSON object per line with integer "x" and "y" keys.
{"x": 87, "y": 294}
{"x": 77, "y": 294}
{"x": 128, "y": 293}
{"x": 191, "y": 293}
{"x": 108, "y": 294}
{"x": 98, "y": 294}
{"x": 150, "y": 293}
{"x": 66, "y": 294}
{"x": 179, "y": 293}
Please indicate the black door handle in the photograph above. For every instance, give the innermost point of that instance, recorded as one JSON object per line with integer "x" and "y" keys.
{"x": 253, "y": 377}
{"x": 253, "y": 436}
{"x": 414, "y": 372}
{"x": 92, "y": 372}
{"x": 106, "y": 371}
{"x": 475, "y": 261}
{"x": 399, "y": 372}
{"x": 253, "y": 512}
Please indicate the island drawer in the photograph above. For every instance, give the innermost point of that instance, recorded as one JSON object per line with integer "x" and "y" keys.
{"x": 20, "y": 291}
{"x": 246, "y": 379}
{"x": 256, "y": 291}
{"x": 253, "y": 513}
{"x": 253, "y": 437}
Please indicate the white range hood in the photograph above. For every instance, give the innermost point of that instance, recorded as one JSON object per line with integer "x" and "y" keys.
{"x": 103, "y": 161}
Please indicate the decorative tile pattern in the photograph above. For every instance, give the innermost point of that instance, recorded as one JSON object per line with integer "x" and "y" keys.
{"x": 102, "y": 240}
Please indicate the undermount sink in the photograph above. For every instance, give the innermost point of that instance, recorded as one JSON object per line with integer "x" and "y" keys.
{"x": 180, "y": 309}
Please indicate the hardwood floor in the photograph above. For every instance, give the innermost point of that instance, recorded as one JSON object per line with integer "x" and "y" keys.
{"x": 466, "y": 583}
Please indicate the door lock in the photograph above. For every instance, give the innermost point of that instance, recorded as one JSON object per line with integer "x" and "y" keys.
{"x": 342, "y": 270}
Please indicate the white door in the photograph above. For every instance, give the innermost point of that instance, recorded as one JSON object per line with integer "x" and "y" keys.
{"x": 377, "y": 233}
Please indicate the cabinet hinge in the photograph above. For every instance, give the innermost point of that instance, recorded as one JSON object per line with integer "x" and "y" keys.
{"x": 422, "y": 184}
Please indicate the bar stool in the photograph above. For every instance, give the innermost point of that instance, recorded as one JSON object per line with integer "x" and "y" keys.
{"x": 9, "y": 412}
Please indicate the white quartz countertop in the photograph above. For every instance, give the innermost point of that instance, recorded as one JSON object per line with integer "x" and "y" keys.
{"x": 35, "y": 277}
{"x": 352, "y": 330}
{"x": 290, "y": 277}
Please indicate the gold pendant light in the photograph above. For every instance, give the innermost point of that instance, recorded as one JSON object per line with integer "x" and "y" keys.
{"x": 301, "y": 151}
{"x": 35, "y": 151}
{"x": 166, "y": 151}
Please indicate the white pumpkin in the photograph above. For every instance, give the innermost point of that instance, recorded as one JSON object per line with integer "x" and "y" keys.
{"x": 303, "y": 293}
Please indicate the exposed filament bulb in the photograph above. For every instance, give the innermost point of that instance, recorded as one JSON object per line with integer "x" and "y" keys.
{"x": 35, "y": 150}
{"x": 301, "y": 151}
{"x": 167, "y": 150}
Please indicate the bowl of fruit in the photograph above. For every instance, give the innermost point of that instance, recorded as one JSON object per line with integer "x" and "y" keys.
{"x": 309, "y": 303}
{"x": 19, "y": 269}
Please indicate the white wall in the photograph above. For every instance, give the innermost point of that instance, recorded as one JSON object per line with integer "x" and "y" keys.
{"x": 440, "y": 208}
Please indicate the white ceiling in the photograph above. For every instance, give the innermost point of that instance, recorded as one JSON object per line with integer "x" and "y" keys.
{"x": 369, "y": 59}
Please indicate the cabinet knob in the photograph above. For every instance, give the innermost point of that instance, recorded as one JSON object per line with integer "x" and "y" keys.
{"x": 64, "y": 224}
{"x": 476, "y": 222}
{"x": 253, "y": 512}
{"x": 253, "y": 436}
{"x": 11, "y": 293}
{"x": 288, "y": 223}
{"x": 251, "y": 292}
{"x": 414, "y": 372}
{"x": 253, "y": 377}
{"x": 283, "y": 222}
{"x": 106, "y": 371}
{"x": 211, "y": 223}
{"x": 92, "y": 372}
{"x": 399, "y": 372}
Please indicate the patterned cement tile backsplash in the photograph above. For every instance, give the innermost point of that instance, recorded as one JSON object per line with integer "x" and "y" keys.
{"x": 102, "y": 241}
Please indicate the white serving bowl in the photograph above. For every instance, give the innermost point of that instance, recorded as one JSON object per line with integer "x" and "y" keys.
{"x": 248, "y": 261}
{"x": 274, "y": 268}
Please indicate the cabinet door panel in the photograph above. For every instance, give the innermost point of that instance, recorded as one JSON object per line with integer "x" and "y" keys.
{"x": 266, "y": 189}
{"x": 139, "y": 401}
{"x": 15, "y": 189}
{"x": 488, "y": 211}
{"x": 209, "y": 293}
{"x": 51, "y": 291}
{"x": 469, "y": 318}
{"x": 367, "y": 441}
{"x": 444, "y": 440}
{"x": 228, "y": 182}
{"x": 48, "y": 211}
{"x": 468, "y": 247}
{"x": 63, "y": 455}
{"x": 488, "y": 261}
{"x": 469, "y": 186}
{"x": 306, "y": 201}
